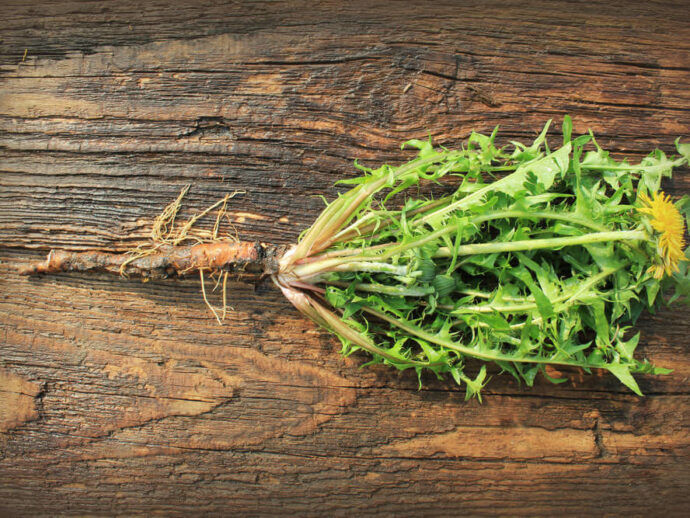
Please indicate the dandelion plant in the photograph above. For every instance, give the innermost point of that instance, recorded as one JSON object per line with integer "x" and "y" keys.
{"x": 538, "y": 257}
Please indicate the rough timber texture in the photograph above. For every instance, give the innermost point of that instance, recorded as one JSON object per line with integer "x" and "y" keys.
{"x": 118, "y": 397}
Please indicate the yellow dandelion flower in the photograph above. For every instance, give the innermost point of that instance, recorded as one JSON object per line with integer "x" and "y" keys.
{"x": 668, "y": 222}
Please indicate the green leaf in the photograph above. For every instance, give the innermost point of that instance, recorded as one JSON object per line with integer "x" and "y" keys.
{"x": 444, "y": 285}
{"x": 545, "y": 169}
{"x": 683, "y": 148}
{"x": 567, "y": 129}
{"x": 627, "y": 348}
{"x": 474, "y": 387}
{"x": 652, "y": 287}
{"x": 555, "y": 381}
{"x": 425, "y": 147}
{"x": 495, "y": 321}
{"x": 622, "y": 372}
{"x": 601, "y": 323}
{"x": 543, "y": 303}
{"x": 528, "y": 372}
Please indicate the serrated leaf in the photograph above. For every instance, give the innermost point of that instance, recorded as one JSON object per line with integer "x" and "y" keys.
{"x": 494, "y": 321}
{"x": 403, "y": 287}
{"x": 622, "y": 372}
{"x": 627, "y": 348}
{"x": 601, "y": 323}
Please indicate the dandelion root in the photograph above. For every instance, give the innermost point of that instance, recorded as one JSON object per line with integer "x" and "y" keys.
{"x": 167, "y": 261}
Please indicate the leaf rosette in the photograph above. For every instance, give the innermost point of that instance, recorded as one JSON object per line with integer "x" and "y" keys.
{"x": 537, "y": 258}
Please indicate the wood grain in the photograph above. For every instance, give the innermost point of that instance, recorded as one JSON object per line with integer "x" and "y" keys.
{"x": 118, "y": 397}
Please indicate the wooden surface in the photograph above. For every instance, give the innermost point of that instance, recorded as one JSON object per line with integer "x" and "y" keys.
{"x": 118, "y": 397}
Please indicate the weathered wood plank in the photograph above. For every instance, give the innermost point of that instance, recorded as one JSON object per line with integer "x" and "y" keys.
{"x": 123, "y": 397}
